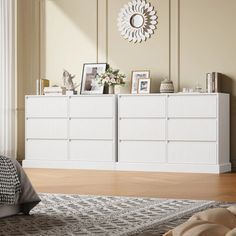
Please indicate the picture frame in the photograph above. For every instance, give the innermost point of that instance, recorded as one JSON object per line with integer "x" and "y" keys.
{"x": 135, "y": 76}
{"x": 144, "y": 86}
{"x": 89, "y": 85}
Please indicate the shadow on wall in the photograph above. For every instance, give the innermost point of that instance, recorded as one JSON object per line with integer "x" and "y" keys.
{"x": 227, "y": 85}
{"x": 69, "y": 37}
{"x": 83, "y": 16}
{"x": 80, "y": 10}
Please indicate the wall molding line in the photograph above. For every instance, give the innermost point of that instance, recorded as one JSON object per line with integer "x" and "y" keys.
{"x": 101, "y": 31}
{"x": 42, "y": 46}
{"x": 178, "y": 45}
{"x": 97, "y": 25}
{"x": 170, "y": 69}
{"x": 174, "y": 44}
{"x": 107, "y": 31}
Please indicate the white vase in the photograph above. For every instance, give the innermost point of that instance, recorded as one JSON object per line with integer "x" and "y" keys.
{"x": 111, "y": 89}
{"x": 117, "y": 89}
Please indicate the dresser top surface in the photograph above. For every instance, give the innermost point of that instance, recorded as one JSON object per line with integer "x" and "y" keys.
{"x": 136, "y": 95}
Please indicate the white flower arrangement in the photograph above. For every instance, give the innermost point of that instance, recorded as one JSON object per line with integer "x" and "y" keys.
{"x": 111, "y": 77}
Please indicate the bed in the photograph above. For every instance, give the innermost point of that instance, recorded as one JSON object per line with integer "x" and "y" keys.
{"x": 25, "y": 197}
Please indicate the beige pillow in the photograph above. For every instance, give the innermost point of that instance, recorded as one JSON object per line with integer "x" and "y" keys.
{"x": 231, "y": 232}
{"x": 198, "y": 228}
{"x": 232, "y": 209}
{"x": 218, "y": 216}
{"x": 211, "y": 222}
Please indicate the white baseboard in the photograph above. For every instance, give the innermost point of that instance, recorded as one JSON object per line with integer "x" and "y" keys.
{"x": 152, "y": 167}
{"x": 68, "y": 165}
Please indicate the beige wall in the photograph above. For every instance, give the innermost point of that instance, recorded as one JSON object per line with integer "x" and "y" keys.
{"x": 27, "y": 60}
{"x": 192, "y": 37}
{"x": 207, "y": 43}
{"x": 69, "y": 37}
{"x": 77, "y": 31}
{"x": 152, "y": 55}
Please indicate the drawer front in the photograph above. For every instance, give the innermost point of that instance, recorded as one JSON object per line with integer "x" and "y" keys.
{"x": 46, "y": 150}
{"x": 92, "y": 106}
{"x": 142, "y": 129}
{"x": 192, "y": 106}
{"x": 91, "y": 129}
{"x": 46, "y": 128}
{"x": 142, "y": 151}
{"x": 46, "y": 107}
{"x": 142, "y": 106}
{"x": 91, "y": 150}
{"x": 192, "y": 129}
{"x": 192, "y": 152}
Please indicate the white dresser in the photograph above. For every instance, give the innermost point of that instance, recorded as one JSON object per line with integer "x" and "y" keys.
{"x": 156, "y": 132}
{"x": 70, "y": 132}
{"x": 175, "y": 132}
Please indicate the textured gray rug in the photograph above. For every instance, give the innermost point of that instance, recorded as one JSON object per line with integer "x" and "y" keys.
{"x": 60, "y": 214}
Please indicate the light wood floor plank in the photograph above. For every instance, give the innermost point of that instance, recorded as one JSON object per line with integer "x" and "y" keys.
{"x": 143, "y": 184}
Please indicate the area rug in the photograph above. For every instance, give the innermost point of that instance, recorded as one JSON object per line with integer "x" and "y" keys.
{"x": 59, "y": 214}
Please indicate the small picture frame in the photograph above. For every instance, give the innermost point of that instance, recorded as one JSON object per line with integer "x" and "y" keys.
{"x": 89, "y": 84}
{"x": 135, "y": 76}
{"x": 144, "y": 86}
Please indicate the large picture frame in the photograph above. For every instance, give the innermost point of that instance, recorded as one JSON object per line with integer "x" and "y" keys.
{"x": 89, "y": 85}
{"x": 135, "y": 76}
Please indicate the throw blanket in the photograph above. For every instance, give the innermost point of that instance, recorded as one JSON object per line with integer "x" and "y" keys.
{"x": 211, "y": 222}
{"x": 10, "y": 185}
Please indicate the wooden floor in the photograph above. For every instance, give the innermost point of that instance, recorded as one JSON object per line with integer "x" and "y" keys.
{"x": 165, "y": 185}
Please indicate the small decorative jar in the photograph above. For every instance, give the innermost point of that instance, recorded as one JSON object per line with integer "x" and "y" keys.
{"x": 167, "y": 86}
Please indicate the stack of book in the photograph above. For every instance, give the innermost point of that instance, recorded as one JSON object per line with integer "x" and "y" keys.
{"x": 40, "y": 85}
{"x": 54, "y": 91}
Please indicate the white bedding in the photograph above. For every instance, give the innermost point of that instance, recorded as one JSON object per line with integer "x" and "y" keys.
{"x": 9, "y": 210}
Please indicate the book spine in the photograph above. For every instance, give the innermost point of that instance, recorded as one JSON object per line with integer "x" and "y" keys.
{"x": 40, "y": 86}
{"x": 37, "y": 87}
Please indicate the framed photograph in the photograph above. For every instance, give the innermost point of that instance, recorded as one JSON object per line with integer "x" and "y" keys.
{"x": 89, "y": 85}
{"x": 136, "y": 75}
{"x": 144, "y": 85}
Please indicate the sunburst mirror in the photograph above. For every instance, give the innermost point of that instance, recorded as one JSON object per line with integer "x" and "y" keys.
{"x": 137, "y": 21}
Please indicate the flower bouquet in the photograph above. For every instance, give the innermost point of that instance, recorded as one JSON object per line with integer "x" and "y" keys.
{"x": 110, "y": 79}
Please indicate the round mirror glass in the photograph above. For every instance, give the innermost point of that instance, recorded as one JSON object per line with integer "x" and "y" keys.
{"x": 136, "y": 20}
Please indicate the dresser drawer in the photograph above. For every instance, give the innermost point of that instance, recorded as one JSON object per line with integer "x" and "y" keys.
{"x": 44, "y": 106}
{"x": 142, "y": 106}
{"x": 192, "y": 152}
{"x": 46, "y": 149}
{"x": 192, "y": 106}
{"x": 192, "y": 129}
{"x": 142, "y": 129}
{"x": 46, "y": 128}
{"x": 142, "y": 151}
{"x": 91, "y": 150}
{"x": 91, "y": 129}
{"x": 92, "y": 106}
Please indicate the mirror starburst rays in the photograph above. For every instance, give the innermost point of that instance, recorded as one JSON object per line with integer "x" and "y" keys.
{"x": 137, "y": 21}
